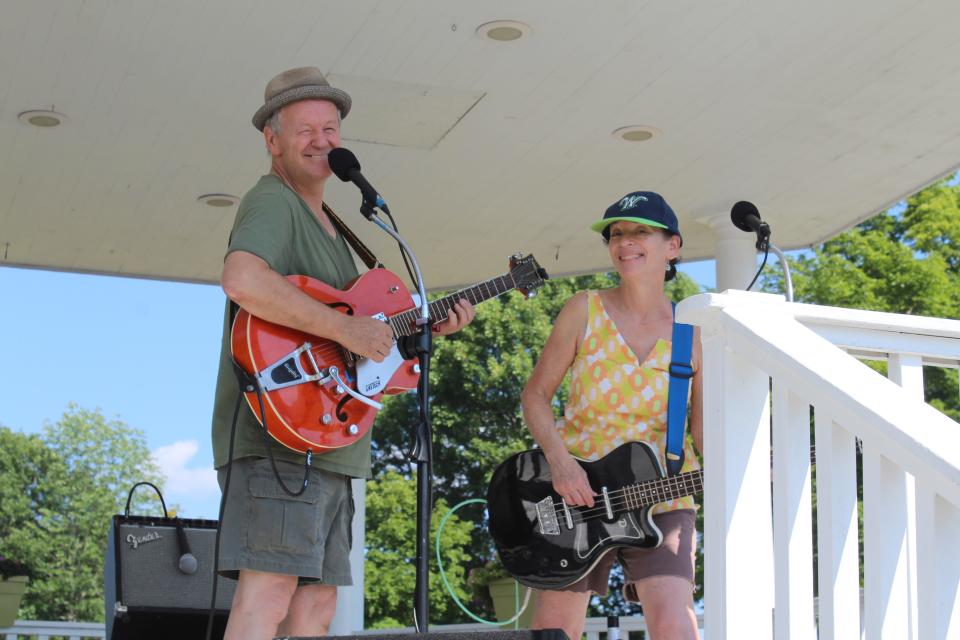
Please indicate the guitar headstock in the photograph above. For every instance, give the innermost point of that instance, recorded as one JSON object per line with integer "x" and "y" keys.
{"x": 527, "y": 274}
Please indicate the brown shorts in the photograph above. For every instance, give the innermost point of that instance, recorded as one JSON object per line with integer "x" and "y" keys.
{"x": 676, "y": 556}
{"x": 265, "y": 529}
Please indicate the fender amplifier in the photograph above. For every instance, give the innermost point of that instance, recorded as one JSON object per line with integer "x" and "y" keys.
{"x": 149, "y": 592}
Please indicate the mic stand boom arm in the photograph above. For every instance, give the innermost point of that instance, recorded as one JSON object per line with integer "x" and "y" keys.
{"x": 787, "y": 282}
{"x": 422, "y": 452}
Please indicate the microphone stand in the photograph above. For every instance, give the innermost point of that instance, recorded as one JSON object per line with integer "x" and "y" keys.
{"x": 764, "y": 246}
{"x": 421, "y": 345}
{"x": 788, "y": 283}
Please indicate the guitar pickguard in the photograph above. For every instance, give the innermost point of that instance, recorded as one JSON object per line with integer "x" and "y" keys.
{"x": 624, "y": 528}
{"x": 372, "y": 376}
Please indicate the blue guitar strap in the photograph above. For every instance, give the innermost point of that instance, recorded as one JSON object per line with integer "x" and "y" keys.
{"x": 681, "y": 370}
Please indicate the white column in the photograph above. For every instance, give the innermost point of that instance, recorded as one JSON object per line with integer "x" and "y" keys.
{"x": 349, "y": 617}
{"x": 736, "y": 253}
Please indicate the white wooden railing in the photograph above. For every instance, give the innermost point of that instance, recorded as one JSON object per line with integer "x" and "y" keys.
{"x": 761, "y": 351}
{"x": 44, "y": 630}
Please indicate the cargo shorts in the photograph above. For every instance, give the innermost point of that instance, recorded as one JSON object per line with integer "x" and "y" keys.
{"x": 266, "y": 529}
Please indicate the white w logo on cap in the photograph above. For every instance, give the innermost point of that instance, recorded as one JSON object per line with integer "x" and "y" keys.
{"x": 629, "y": 202}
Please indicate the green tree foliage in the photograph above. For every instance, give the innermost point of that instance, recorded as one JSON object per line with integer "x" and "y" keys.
{"x": 476, "y": 381}
{"x": 59, "y": 492}
{"x": 390, "y": 570}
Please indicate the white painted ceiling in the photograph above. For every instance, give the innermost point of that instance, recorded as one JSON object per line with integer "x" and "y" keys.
{"x": 820, "y": 112}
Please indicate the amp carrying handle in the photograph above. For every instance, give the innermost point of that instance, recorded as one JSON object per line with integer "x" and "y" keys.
{"x": 126, "y": 511}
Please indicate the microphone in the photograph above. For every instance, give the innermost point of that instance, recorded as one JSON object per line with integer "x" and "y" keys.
{"x": 746, "y": 217}
{"x": 188, "y": 562}
{"x": 346, "y": 167}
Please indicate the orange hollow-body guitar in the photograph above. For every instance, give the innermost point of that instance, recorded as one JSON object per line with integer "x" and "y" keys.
{"x": 318, "y": 396}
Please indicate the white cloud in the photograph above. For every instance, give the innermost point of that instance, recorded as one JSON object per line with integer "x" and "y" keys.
{"x": 184, "y": 482}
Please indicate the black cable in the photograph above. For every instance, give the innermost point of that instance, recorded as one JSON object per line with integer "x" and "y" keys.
{"x": 273, "y": 462}
{"x": 766, "y": 252}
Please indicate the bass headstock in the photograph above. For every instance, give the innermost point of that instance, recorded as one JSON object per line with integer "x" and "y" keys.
{"x": 527, "y": 274}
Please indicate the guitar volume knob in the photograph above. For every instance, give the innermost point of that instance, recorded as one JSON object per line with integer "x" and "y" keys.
{"x": 353, "y": 429}
{"x": 326, "y": 419}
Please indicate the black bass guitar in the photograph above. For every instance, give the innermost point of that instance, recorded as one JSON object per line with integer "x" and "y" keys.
{"x": 547, "y": 544}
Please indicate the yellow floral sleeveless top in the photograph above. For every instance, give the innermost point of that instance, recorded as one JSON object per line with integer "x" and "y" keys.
{"x": 615, "y": 398}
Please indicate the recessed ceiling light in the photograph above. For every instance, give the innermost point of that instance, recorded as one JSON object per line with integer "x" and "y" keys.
{"x": 43, "y": 118}
{"x": 218, "y": 199}
{"x": 503, "y": 30}
{"x": 635, "y": 133}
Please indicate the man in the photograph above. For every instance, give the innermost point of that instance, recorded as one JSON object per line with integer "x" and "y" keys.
{"x": 288, "y": 553}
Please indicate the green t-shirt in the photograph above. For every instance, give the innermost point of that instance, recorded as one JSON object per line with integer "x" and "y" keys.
{"x": 276, "y": 225}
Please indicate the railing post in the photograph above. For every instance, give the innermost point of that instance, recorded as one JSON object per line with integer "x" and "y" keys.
{"x": 938, "y": 566}
{"x": 792, "y": 518}
{"x": 887, "y": 541}
{"x": 838, "y": 559}
{"x": 907, "y": 371}
{"x": 738, "y": 543}
{"x": 890, "y": 528}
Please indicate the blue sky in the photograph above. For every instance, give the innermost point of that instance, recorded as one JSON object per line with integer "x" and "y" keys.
{"x": 141, "y": 351}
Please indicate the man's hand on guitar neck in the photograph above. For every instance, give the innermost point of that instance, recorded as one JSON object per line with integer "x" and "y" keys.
{"x": 460, "y": 315}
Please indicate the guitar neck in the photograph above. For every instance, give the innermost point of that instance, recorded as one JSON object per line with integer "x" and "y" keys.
{"x": 404, "y": 324}
{"x": 651, "y": 492}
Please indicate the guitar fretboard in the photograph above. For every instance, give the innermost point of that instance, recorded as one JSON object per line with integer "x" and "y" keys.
{"x": 404, "y": 323}
{"x": 651, "y": 492}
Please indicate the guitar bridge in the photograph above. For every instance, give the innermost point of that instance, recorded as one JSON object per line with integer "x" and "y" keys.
{"x": 288, "y": 371}
{"x": 547, "y": 517}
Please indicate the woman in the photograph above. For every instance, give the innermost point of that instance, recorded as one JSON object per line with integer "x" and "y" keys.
{"x": 615, "y": 396}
